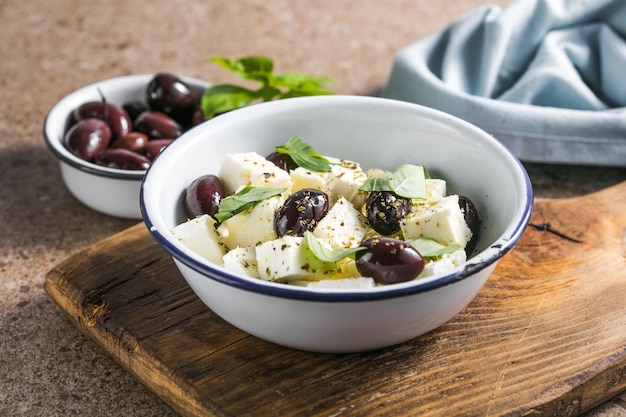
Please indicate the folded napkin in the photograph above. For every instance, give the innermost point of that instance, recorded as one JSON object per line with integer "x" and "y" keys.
{"x": 545, "y": 77}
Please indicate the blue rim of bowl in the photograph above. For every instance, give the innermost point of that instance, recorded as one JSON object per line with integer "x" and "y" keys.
{"x": 65, "y": 156}
{"x": 480, "y": 261}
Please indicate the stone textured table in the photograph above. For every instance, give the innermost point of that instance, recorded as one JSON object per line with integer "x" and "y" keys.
{"x": 47, "y": 49}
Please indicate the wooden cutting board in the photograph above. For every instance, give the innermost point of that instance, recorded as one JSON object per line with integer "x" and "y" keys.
{"x": 546, "y": 335}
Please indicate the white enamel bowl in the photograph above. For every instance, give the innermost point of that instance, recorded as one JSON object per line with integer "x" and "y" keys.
{"x": 377, "y": 133}
{"x": 111, "y": 191}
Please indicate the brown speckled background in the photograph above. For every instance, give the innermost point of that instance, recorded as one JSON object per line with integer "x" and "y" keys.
{"x": 49, "y": 48}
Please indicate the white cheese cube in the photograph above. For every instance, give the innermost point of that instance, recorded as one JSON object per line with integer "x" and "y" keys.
{"x": 199, "y": 235}
{"x": 343, "y": 226}
{"x": 251, "y": 226}
{"x": 302, "y": 178}
{"x": 288, "y": 258}
{"x": 242, "y": 169}
{"x": 435, "y": 188}
{"x": 376, "y": 172}
{"x": 441, "y": 220}
{"x": 348, "y": 268}
{"x": 443, "y": 264}
{"x": 242, "y": 261}
{"x": 343, "y": 283}
{"x": 344, "y": 179}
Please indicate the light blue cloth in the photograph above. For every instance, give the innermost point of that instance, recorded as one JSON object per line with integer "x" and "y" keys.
{"x": 545, "y": 77}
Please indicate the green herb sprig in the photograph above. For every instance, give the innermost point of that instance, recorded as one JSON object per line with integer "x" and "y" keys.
{"x": 407, "y": 181}
{"x": 222, "y": 98}
{"x": 304, "y": 155}
{"x": 328, "y": 255}
{"x": 244, "y": 199}
{"x": 430, "y": 248}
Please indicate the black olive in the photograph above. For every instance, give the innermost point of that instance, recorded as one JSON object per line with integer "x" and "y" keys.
{"x": 169, "y": 94}
{"x": 301, "y": 212}
{"x": 203, "y": 196}
{"x": 89, "y": 137}
{"x": 282, "y": 161}
{"x": 157, "y": 125}
{"x": 389, "y": 261}
{"x": 472, "y": 218}
{"x": 385, "y": 210}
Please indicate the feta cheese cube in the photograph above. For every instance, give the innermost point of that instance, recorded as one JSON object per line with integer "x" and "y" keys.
{"x": 376, "y": 172}
{"x": 242, "y": 261}
{"x": 251, "y": 169}
{"x": 288, "y": 258}
{"x": 302, "y": 178}
{"x": 199, "y": 235}
{"x": 344, "y": 179}
{"x": 445, "y": 263}
{"x": 348, "y": 269}
{"x": 251, "y": 226}
{"x": 435, "y": 188}
{"x": 441, "y": 220}
{"x": 343, "y": 226}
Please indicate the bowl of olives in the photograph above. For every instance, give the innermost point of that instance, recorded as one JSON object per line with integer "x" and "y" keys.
{"x": 106, "y": 135}
{"x": 336, "y": 223}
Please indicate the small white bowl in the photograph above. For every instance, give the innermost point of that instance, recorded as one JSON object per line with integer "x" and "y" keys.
{"x": 377, "y": 133}
{"x": 108, "y": 190}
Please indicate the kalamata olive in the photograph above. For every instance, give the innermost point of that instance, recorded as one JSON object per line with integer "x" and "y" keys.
{"x": 198, "y": 116}
{"x": 116, "y": 117}
{"x": 122, "y": 159}
{"x": 157, "y": 125}
{"x": 385, "y": 210}
{"x": 389, "y": 261}
{"x": 198, "y": 90}
{"x": 153, "y": 148}
{"x": 301, "y": 212}
{"x": 135, "y": 108}
{"x": 472, "y": 218}
{"x": 133, "y": 141}
{"x": 282, "y": 161}
{"x": 88, "y": 137}
{"x": 203, "y": 196}
{"x": 169, "y": 94}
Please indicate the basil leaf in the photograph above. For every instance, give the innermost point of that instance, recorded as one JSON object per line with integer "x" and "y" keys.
{"x": 407, "y": 181}
{"x": 268, "y": 93}
{"x": 325, "y": 254}
{"x": 256, "y": 68}
{"x": 219, "y": 99}
{"x": 430, "y": 248}
{"x": 301, "y": 84}
{"x": 376, "y": 184}
{"x": 304, "y": 155}
{"x": 225, "y": 97}
{"x": 244, "y": 199}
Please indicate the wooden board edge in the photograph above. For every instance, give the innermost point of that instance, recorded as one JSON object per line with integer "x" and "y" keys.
{"x": 573, "y": 398}
{"x": 185, "y": 401}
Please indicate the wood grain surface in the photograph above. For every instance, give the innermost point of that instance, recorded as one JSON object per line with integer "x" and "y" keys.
{"x": 545, "y": 337}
